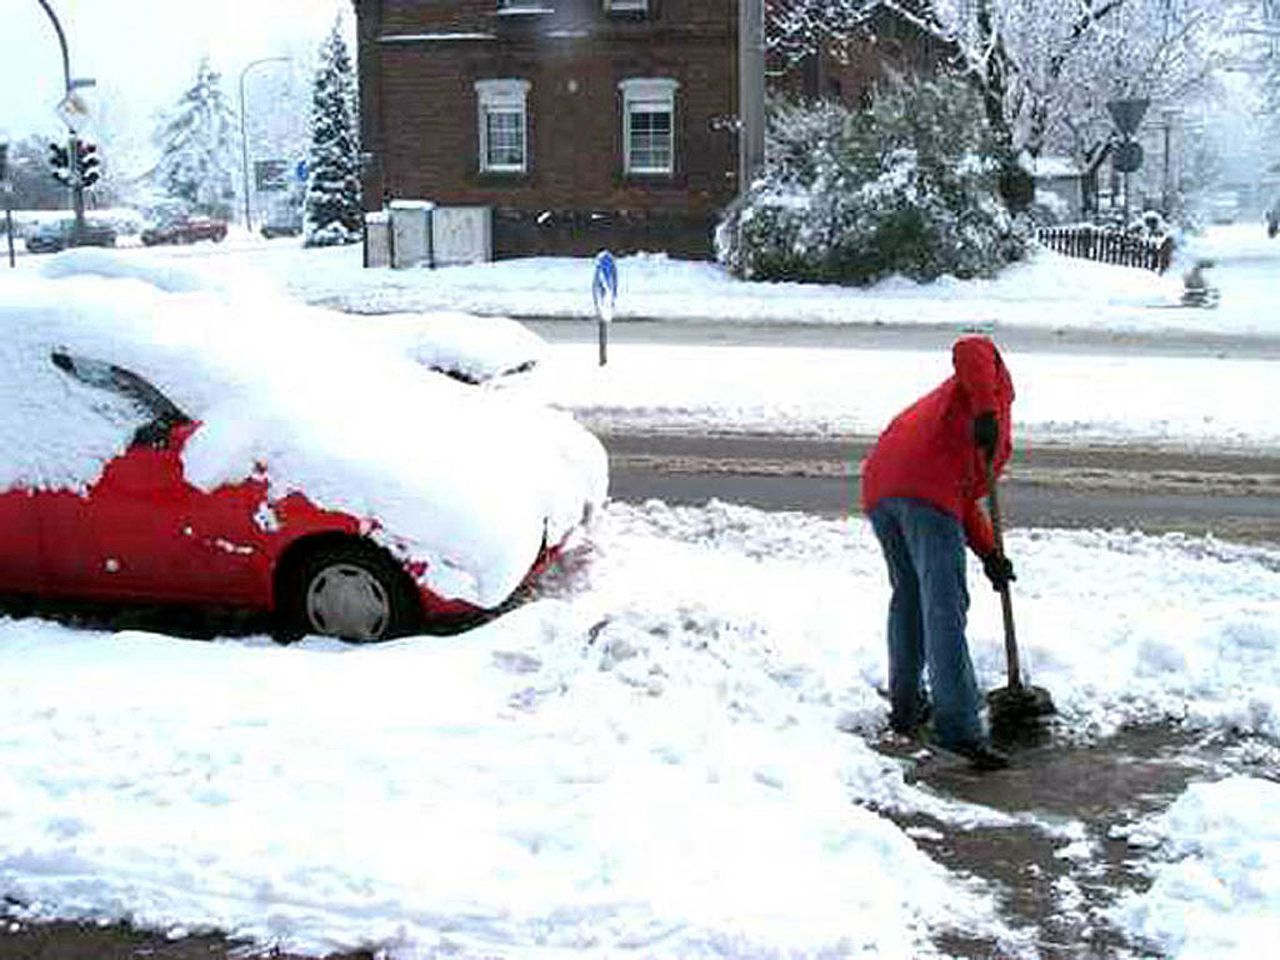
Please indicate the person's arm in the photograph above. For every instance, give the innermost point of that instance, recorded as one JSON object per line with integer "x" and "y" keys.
{"x": 978, "y": 532}
{"x": 982, "y": 541}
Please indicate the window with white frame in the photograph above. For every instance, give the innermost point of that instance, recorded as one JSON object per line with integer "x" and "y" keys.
{"x": 648, "y": 125}
{"x": 626, "y": 6}
{"x": 502, "y": 125}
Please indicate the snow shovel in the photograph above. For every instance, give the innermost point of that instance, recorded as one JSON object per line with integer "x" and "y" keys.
{"x": 1017, "y": 704}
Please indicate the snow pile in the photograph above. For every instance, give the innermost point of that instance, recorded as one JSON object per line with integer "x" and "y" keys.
{"x": 1216, "y": 889}
{"x": 468, "y": 482}
{"x": 495, "y": 794}
{"x": 172, "y": 277}
{"x": 1201, "y": 646}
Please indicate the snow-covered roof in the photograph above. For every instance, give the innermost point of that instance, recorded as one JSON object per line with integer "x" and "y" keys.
{"x": 468, "y": 481}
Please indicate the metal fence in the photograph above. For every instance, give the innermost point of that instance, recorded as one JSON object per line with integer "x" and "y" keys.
{"x": 1109, "y": 246}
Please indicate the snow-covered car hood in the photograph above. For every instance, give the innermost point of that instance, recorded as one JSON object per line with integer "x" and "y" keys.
{"x": 470, "y": 482}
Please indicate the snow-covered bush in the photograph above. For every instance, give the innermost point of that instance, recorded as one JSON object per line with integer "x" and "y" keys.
{"x": 908, "y": 186}
{"x": 1150, "y": 223}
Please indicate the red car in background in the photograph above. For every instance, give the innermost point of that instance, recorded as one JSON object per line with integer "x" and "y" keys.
{"x": 185, "y": 230}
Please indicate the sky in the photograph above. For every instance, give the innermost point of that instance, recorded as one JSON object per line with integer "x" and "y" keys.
{"x": 143, "y": 53}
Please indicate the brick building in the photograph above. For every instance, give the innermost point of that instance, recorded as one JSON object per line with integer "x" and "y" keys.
{"x": 580, "y": 124}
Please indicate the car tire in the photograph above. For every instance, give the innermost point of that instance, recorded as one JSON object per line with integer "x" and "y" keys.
{"x": 352, "y": 589}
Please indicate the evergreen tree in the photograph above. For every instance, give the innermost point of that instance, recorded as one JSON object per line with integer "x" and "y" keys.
{"x": 334, "y": 211}
{"x": 197, "y": 142}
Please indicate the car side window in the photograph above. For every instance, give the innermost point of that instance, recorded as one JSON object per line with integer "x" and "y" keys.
{"x": 160, "y": 414}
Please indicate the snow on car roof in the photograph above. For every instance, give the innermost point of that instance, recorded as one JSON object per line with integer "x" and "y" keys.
{"x": 470, "y": 347}
{"x": 468, "y": 481}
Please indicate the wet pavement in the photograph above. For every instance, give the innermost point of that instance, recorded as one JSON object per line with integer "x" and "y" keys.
{"x": 1060, "y": 887}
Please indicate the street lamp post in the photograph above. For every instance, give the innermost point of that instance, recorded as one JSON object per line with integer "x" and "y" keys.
{"x": 77, "y": 186}
{"x": 244, "y": 139}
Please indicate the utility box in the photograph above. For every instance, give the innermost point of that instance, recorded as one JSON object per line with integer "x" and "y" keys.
{"x": 411, "y": 233}
{"x": 462, "y": 235}
{"x": 377, "y": 239}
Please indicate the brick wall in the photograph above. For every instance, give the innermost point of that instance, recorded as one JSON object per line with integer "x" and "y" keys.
{"x": 420, "y": 115}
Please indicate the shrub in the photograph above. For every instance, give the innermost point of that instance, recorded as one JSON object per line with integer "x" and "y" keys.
{"x": 908, "y": 186}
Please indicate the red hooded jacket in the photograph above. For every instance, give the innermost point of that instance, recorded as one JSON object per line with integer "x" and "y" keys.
{"x": 928, "y": 451}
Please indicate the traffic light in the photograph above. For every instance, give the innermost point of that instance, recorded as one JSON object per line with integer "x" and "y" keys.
{"x": 87, "y": 163}
{"x": 60, "y": 161}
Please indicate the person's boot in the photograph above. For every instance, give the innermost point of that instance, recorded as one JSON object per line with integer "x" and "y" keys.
{"x": 910, "y": 728}
{"x": 982, "y": 755}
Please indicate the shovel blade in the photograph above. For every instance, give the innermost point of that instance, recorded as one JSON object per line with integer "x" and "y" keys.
{"x": 1015, "y": 705}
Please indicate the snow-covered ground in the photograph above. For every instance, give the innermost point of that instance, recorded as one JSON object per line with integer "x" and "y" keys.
{"x": 1196, "y": 402}
{"x": 666, "y": 755}
{"x": 1047, "y": 291}
{"x": 663, "y": 758}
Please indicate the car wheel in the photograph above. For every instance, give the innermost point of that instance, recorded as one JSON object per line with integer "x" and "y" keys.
{"x": 350, "y": 589}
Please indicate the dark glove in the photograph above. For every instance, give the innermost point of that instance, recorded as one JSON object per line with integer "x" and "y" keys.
{"x": 999, "y": 570}
{"x": 985, "y": 433}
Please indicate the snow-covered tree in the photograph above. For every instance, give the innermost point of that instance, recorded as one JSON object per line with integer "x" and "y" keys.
{"x": 1044, "y": 68}
{"x": 907, "y": 186}
{"x": 199, "y": 147}
{"x": 334, "y": 211}
{"x": 1271, "y": 84}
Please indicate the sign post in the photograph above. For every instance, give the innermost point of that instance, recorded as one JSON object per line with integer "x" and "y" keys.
{"x": 604, "y": 293}
{"x": 1127, "y": 116}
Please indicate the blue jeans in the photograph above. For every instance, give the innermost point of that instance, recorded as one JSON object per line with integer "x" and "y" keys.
{"x": 924, "y": 548}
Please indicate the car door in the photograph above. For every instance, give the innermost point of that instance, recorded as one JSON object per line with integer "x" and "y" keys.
{"x": 20, "y": 562}
{"x": 141, "y": 531}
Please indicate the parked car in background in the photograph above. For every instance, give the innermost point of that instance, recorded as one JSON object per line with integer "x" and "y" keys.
{"x": 187, "y": 229}
{"x": 170, "y": 448}
{"x": 58, "y": 235}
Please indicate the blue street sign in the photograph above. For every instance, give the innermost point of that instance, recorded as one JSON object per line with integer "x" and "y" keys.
{"x": 604, "y": 285}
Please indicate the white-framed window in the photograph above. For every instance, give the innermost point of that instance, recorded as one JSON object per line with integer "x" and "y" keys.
{"x": 503, "y": 125}
{"x": 626, "y": 6}
{"x": 648, "y": 125}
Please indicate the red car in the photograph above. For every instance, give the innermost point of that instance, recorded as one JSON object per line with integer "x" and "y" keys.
{"x": 185, "y": 230}
{"x": 111, "y": 491}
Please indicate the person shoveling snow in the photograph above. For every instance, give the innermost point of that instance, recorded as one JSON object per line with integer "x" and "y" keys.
{"x": 921, "y": 487}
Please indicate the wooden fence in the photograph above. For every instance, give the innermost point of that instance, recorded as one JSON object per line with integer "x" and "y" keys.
{"x": 1109, "y": 246}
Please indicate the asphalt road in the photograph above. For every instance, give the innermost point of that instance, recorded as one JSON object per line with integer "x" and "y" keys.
{"x": 1232, "y": 496}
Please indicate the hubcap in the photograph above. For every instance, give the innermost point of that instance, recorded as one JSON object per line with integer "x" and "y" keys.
{"x": 344, "y": 600}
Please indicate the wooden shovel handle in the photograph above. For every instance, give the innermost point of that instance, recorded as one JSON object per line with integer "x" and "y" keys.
{"x": 1006, "y": 602}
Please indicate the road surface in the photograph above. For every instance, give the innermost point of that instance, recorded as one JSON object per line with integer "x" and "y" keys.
{"x": 1232, "y": 496}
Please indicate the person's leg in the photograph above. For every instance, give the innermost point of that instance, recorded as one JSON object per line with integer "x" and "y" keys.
{"x": 906, "y": 630}
{"x": 935, "y": 540}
